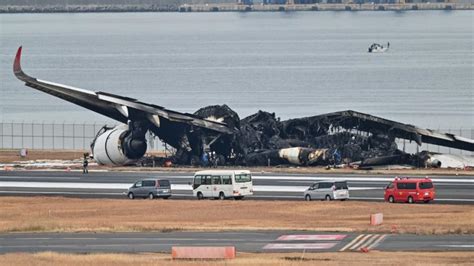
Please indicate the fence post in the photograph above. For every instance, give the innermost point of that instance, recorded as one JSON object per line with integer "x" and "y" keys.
{"x": 22, "y": 134}
{"x": 53, "y": 134}
{"x": 84, "y": 136}
{"x": 12, "y": 135}
{"x": 32, "y": 135}
{"x": 42, "y": 135}
{"x": 64, "y": 122}
{"x": 73, "y": 135}
{"x": 1, "y": 136}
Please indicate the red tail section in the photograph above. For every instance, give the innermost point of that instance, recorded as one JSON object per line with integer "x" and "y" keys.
{"x": 16, "y": 63}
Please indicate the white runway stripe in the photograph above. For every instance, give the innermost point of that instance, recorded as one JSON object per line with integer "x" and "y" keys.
{"x": 349, "y": 179}
{"x": 302, "y": 188}
{"x": 177, "y": 187}
{"x": 369, "y": 241}
{"x": 310, "y": 178}
{"x": 352, "y": 242}
{"x": 376, "y": 243}
{"x": 78, "y": 185}
{"x": 360, "y": 242}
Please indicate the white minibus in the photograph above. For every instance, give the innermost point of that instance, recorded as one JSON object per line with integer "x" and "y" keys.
{"x": 222, "y": 184}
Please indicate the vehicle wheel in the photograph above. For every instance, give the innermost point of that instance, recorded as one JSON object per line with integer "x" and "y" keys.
{"x": 130, "y": 195}
{"x": 151, "y": 196}
{"x": 200, "y": 196}
{"x": 328, "y": 198}
{"x": 391, "y": 199}
{"x": 221, "y": 196}
{"x": 307, "y": 197}
{"x": 410, "y": 199}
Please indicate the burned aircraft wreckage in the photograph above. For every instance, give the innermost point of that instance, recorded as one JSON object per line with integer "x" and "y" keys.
{"x": 334, "y": 138}
{"x": 259, "y": 139}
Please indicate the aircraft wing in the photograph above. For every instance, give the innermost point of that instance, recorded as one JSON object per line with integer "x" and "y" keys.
{"x": 117, "y": 107}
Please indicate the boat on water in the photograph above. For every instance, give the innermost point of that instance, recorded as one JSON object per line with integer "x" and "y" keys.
{"x": 377, "y": 48}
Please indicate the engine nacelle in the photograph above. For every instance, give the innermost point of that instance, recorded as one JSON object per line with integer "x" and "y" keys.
{"x": 118, "y": 146}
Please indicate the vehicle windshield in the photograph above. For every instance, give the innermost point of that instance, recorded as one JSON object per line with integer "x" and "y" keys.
{"x": 341, "y": 185}
{"x": 242, "y": 178}
{"x": 426, "y": 185}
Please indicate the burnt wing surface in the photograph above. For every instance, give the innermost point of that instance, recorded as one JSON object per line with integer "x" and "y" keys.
{"x": 218, "y": 135}
{"x": 172, "y": 127}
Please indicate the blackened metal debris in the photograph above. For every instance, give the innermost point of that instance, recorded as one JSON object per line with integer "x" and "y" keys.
{"x": 333, "y": 138}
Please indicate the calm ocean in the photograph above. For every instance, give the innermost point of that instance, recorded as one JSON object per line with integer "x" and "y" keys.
{"x": 293, "y": 64}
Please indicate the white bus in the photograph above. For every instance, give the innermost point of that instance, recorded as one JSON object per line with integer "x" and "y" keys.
{"x": 222, "y": 184}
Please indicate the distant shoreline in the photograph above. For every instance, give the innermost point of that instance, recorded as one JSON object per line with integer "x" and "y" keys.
{"x": 234, "y": 8}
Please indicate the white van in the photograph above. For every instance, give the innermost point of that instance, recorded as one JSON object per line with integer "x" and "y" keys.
{"x": 222, "y": 184}
{"x": 327, "y": 190}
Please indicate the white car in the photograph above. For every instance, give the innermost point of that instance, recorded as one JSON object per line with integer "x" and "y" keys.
{"x": 327, "y": 190}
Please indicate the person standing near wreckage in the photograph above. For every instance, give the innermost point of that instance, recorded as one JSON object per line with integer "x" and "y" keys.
{"x": 213, "y": 159}
{"x": 85, "y": 164}
{"x": 205, "y": 159}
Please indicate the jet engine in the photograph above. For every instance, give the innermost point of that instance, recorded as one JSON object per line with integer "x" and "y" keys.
{"x": 118, "y": 146}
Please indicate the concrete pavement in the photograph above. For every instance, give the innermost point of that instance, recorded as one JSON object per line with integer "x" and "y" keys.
{"x": 450, "y": 189}
{"x": 244, "y": 241}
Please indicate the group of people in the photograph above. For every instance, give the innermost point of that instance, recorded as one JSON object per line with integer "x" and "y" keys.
{"x": 209, "y": 159}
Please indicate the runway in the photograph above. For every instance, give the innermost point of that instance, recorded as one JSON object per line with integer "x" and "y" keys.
{"x": 244, "y": 241}
{"x": 449, "y": 189}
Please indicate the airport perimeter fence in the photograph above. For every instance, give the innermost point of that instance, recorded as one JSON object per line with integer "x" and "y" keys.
{"x": 78, "y": 136}
{"x": 56, "y": 136}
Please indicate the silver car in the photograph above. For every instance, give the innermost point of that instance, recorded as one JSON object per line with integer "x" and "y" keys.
{"x": 327, "y": 190}
{"x": 150, "y": 188}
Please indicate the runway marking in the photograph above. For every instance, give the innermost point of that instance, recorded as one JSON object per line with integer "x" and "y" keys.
{"x": 368, "y": 241}
{"x": 39, "y": 177}
{"x": 300, "y": 246}
{"x": 470, "y": 200}
{"x": 61, "y": 192}
{"x": 80, "y": 246}
{"x": 301, "y": 188}
{"x": 351, "y": 243}
{"x": 457, "y": 246}
{"x": 147, "y": 239}
{"x": 127, "y": 185}
{"x": 376, "y": 243}
{"x": 467, "y": 180}
{"x": 310, "y": 237}
{"x": 65, "y": 185}
{"x": 435, "y": 200}
{"x": 360, "y": 242}
{"x": 190, "y": 195}
{"x": 350, "y": 179}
